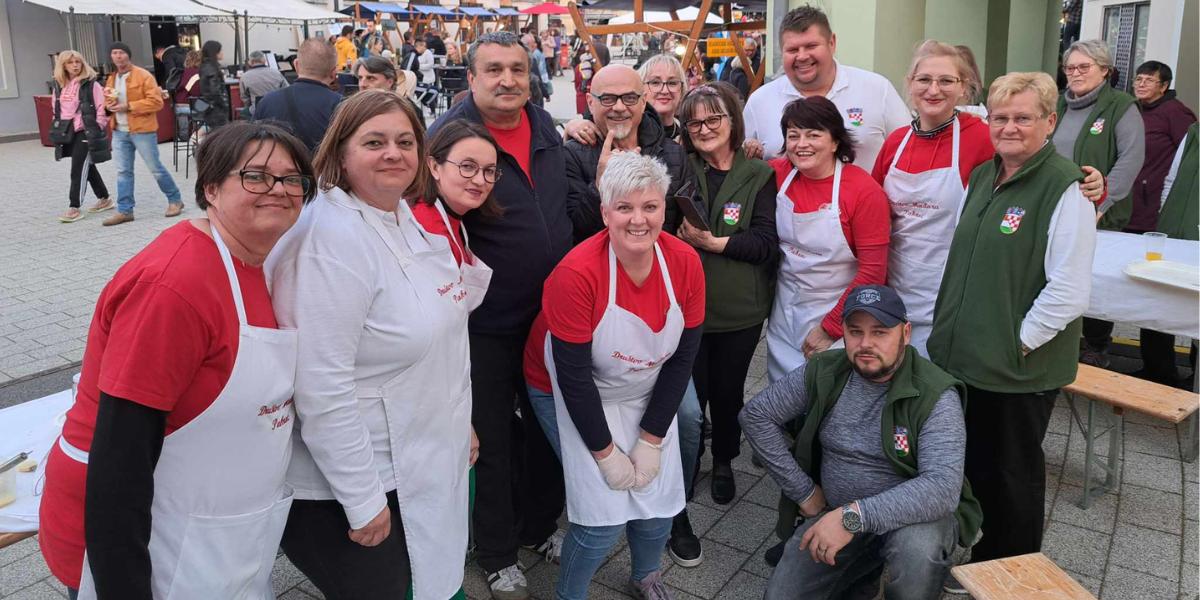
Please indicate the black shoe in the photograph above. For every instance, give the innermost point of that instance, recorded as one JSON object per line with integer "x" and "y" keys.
{"x": 706, "y": 428}
{"x": 684, "y": 546}
{"x": 952, "y": 586}
{"x": 774, "y": 553}
{"x": 723, "y": 487}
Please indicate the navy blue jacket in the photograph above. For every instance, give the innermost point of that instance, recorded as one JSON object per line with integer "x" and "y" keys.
{"x": 526, "y": 243}
{"x": 304, "y": 108}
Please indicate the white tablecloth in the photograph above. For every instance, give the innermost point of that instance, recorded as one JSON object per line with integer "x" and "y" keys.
{"x": 1120, "y": 298}
{"x": 30, "y": 427}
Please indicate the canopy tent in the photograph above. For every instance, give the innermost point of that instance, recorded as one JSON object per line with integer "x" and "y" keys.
{"x": 754, "y": 6}
{"x": 276, "y": 12}
{"x": 506, "y": 12}
{"x": 136, "y": 8}
{"x": 653, "y": 16}
{"x": 470, "y": 26}
{"x": 546, "y": 8}
{"x": 371, "y": 10}
{"x": 425, "y": 15}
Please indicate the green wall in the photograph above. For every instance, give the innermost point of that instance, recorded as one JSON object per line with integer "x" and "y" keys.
{"x": 1026, "y": 35}
{"x": 900, "y": 27}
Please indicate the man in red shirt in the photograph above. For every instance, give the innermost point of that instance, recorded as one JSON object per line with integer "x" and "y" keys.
{"x": 522, "y": 248}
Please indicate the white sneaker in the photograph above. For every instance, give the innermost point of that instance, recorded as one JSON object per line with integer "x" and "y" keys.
{"x": 551, "y": 549}
{"x": 509, "y": 584}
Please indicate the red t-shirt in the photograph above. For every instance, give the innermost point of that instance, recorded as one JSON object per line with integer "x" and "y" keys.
{"x": 516, "y": 141}
{"x": 924, "y": 154}
{"x": 429, "y": 218}
{"x": 576, "y": 296}
{"x": 165, "y": 335}
{"x": 866, "y": 223}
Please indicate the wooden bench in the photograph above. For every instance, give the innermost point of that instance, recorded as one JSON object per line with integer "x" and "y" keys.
{"x": 8, "y": 539}
{"x": 1027, "y": 577}
{"x": 1122, "y": 392}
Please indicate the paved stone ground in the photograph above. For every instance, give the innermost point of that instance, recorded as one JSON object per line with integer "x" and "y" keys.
{"x": 1140, "y": 542}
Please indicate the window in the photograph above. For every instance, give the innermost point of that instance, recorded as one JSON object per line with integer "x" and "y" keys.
{"x": 1126, "y": 30}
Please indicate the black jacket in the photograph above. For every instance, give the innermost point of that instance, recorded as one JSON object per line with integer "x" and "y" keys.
{"x": 304, "y": 108}
{"x": 584, "y": 202}
{"x": 97, "y": 138}
{"x": 525, "y": 244}
{"x": 172, "y": 60}
{"x": 212, "y": 90}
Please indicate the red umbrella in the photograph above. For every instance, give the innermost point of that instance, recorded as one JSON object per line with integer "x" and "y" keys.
{"x": 546, "y": 8}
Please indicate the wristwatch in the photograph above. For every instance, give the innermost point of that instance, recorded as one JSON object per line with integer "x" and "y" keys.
{"x": 851, "y": 520}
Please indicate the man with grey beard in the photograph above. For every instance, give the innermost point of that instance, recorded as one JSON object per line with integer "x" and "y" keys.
{"x": 618, "y": 104}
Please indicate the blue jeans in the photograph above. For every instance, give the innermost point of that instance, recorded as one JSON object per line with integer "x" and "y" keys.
{"x": 690, "y": 424}
{"x": 585, "y": 548}
{"x": 917, "y": 557}
{"x": 146, "y": 144}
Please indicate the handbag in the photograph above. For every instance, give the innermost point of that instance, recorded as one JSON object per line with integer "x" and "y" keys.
{"x": 62, "y": 131}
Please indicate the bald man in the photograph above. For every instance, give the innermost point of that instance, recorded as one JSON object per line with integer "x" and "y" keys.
{"x": 618, "y": 104}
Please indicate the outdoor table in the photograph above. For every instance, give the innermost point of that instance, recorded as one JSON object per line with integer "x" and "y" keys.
{"x": 31, "y": 427}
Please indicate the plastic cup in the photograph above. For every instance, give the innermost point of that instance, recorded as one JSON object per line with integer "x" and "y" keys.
{"x": 1155, "y": 242}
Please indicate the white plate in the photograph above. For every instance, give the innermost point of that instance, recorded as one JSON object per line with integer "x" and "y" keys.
{"x": 1166, "y": 272}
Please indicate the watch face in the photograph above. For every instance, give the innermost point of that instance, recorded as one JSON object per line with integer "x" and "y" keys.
{"x": 851, "y": 521}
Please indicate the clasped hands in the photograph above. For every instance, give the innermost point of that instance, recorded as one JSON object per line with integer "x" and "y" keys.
{"x": 635, "y": 470}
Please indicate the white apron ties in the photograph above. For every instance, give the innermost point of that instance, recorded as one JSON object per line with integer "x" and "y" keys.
{"x": 626, "y": 359}
{"x": 476, "y": 275}
{"x": 220, "y": 499}
{"x": 428, "y": 409}
{"x": 817, "y": 267}
{"x": 924, "y": 212}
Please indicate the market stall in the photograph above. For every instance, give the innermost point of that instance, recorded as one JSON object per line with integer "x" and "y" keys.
{"x": 471, "y": 25}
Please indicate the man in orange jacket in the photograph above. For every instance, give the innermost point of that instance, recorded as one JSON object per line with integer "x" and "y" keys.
{"x": 134, "y": 98}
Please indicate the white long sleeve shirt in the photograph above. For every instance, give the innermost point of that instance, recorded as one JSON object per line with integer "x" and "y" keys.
{"x": 1169, "y": 180}
{"x": 331, "y": 278}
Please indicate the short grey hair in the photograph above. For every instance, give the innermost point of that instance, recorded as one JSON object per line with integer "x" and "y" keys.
{"x": 1096, "y": 50}
{"x": 256, "y": 57}
{"x": 503, "y": 38}
{"x": 630, "y": 172}
{"x": 665, "y": 60}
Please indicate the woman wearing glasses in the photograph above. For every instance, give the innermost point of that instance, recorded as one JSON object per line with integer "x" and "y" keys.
{"x": 182, "y": 427}
{"x": 1101, "y": 130}
{"x": 383, "y": 392}
{"x": 740, "y": 248}
{"x": 666, "y": 85}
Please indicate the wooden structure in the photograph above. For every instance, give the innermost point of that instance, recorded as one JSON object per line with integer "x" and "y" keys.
{"x": 1122, "y": 392}
{"x": 425, "y": 15}
{"x": 8, "y": 539}
{"x": 509, "y": 17}
{"x": 1027, "y": 577}
{"x": 693, "y": 29}
{"x": 470, "y": 24}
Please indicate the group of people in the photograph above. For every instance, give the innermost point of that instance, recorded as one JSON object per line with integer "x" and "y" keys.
{"x": 357, "y": 356}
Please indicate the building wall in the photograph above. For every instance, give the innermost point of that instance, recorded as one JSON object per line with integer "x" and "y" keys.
{"x": 1189, "y": 53}
{"x": 1171, "y": 38}
{"x": 36, "y": 33}
{"x": 899, "y": 29}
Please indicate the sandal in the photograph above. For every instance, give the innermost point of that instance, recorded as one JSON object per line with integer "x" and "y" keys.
{"x": 72, "y": 215}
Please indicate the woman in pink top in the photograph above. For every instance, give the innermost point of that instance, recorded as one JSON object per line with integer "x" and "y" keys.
{"x": 80, "y": 98}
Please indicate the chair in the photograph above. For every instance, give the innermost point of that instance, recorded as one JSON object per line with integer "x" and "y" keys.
{"x": 196, "y": 122}
{"x": 451, "y": 81}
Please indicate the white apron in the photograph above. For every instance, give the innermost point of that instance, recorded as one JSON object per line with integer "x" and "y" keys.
{"x": 924, "y": 211}
{"x": 220, "y": 500}
{"x": 428, "y": 409}
{"x": 476, "y": 275}
{"x": 625, "y": 385}
{"x": 817, "y": 267}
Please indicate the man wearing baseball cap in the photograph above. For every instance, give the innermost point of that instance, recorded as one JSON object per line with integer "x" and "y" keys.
{"x": 878, "y": 501}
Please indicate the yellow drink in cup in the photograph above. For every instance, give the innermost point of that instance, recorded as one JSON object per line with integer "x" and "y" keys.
{"x": 1155, "y": 243}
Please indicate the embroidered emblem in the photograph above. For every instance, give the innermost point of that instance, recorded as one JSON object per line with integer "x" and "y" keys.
{"x": 1097, "y": 127}
{"x": 901, "y": 435}
{"x": 855, "y": 115}
{"x": 732, "y": 212}
{"x": 1012, "y": 220}
{"x": 869, "y": 297}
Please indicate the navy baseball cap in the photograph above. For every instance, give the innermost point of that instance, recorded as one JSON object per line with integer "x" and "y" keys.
{"x": 880, "y": 301}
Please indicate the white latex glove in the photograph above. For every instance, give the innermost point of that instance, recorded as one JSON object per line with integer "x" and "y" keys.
{"x": 645, "y": 457}
{"x": 617, "y": 470}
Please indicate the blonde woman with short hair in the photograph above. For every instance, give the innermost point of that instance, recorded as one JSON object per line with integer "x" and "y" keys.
{"x": 79, "y": 99}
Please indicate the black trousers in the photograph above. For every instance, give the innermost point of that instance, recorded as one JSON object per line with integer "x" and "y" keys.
{"x": 1097, "y": 333}
{"x": 79, "y": 161}
{"x": 1007, "y": 468}
{"x": 720, "y": 377}
{"x": 316, "y": 541}
{"x": 519, "y": 490}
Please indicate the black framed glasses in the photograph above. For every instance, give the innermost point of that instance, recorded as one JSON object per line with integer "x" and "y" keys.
{"x": 658, "y": 85}
{"x": 261, "y": 182}
{"x": 712, "y": 122}
{"x": 611, "y": 99}
{"x": 469, "y": 169}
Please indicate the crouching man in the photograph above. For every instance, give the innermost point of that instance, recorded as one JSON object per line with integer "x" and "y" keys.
{"x": 877, "y": 465}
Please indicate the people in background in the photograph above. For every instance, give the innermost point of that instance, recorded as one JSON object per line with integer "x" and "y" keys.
{"x": 972, "y": 102}
{"x": 79, "y": 99}
{"x": 735, "y": 75}
{"x": 867, "y": 102}
{"x": 539, "y": 77}
{"x": 1100, "y": 129}
{"x": 382, "y": 393}
{"x": 834, "y": 228}
{"x": 549, "y": 53}
{"x": 212, "y": 85}
{"x": 522, "y": 247}
{"x": 1017, "y": 278}
{"x": 259, "y": 80}
{"x": 454, "y": 56}
{"x": 434, "y": 39}
{"x": 739, "y": 246}
{"x": 923, "y": 168}
{"x": 377, "y": 73}
{"x": 617, "y": 103}
{"x": 622, "y": 318}
{"x": 162, "y": 412}
{"x": 171, "y": 56}
{"x": 878, "y": 501}
{"x": 307, "y": 105}
{"x": 347, "y": 50}
{"x": 189, "y": 82}
{"x": 134, "y": 99}
{"x": 585, "y": 68}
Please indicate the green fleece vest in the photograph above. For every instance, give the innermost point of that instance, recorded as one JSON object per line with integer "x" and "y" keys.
{"x": 1180, "y": 216}
{"x": 915, "y": 389}
{"x": 738, "y": 295}
{"x": 994, "y": 272}
{"x": 1096, "y": 146}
